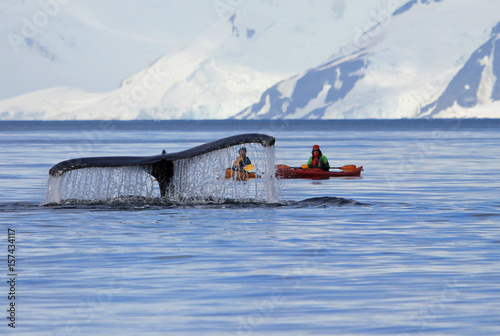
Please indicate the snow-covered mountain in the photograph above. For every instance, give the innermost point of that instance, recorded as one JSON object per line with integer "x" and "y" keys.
{"x": 247, "y": 47}
{"x": 477, "y": 83}
{"x": 428, "y": 59}
{"x": 88, "y": 44}
{"x": 391, "y": 59}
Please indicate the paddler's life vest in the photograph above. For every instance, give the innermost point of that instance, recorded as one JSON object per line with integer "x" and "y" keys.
{"x": 242, "y": 162}
{"x": 315, "y": 161}
{"x": 319, "y": 161}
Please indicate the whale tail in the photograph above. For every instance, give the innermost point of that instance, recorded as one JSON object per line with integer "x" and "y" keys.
{"x": 161, "y": 167}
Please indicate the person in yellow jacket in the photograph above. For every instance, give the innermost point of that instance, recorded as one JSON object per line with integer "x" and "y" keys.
{"x": 242, "y": 160}
{"x": 318, "y": 160}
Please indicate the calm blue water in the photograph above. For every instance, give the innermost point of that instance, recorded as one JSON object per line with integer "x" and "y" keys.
{"x": 411, "y": 248}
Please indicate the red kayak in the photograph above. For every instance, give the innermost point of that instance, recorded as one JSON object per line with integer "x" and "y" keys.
{"x": 286, "y": 172}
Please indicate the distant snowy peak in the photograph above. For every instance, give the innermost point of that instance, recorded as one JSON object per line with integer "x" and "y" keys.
{"x": 192, "y": 83}
{"x": 477, "y": 82}
{"x": 452, "y": 73}
{"x": 308, "y": 96}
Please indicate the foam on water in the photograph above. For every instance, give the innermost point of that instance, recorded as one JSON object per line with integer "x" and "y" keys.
{"x": 197, "y": 179}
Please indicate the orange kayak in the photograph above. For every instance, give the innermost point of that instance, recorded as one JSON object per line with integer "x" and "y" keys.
{"x": 239, "y": 175}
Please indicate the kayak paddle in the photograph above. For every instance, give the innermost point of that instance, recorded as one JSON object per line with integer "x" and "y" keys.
{"x": 249, "y": 167}
{"x": 345, "y": 168}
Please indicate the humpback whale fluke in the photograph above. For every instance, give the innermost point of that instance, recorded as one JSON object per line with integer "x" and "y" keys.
{"x": 160, "y": 166}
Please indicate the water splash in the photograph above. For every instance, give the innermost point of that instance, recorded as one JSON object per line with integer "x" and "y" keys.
{"x": 100, "y": 184}
{"x": 198, "y": 179}
{"x": 202, "y": 178}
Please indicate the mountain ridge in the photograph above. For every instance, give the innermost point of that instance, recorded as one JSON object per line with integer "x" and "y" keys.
{"x": 396, "y": 66}
{"x": 392, "y": 83}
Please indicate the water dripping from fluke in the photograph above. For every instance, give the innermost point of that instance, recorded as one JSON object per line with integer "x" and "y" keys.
{"x": 196, "y": 175}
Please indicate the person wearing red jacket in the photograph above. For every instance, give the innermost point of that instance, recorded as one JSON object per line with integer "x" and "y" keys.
{"x": 318, "y": 160}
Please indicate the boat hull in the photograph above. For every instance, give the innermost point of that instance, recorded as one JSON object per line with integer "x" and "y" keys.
{"x": 295, "y": 173}
{"x": 239, "y": 175}
{"x": 314, "y": 173}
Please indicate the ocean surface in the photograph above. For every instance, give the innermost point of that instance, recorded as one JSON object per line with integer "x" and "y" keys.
{"x": 412, "y": 247}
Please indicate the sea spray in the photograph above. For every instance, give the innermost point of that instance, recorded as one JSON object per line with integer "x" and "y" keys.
{"x": 198, "y": 179}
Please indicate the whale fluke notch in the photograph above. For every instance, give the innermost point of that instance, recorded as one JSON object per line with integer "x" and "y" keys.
{"x": 161, "y": 166}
